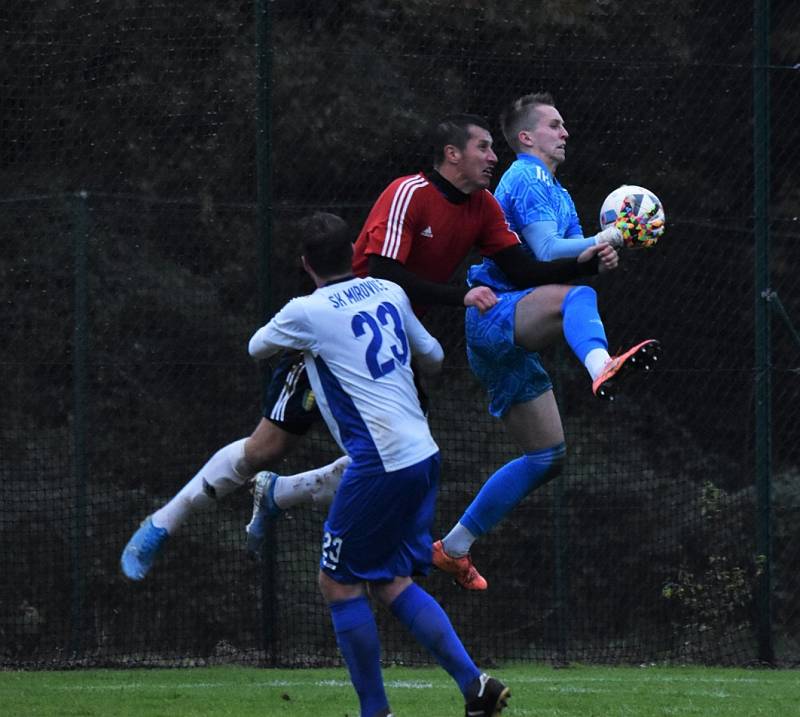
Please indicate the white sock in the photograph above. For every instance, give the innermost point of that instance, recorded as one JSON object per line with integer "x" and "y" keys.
{"x": 595, "y": 361}
{"x": 175, "y": 513}
{"x": 458, "y": 541}
{"x": 318, "y": 485}
{"x": 223, "y": 473}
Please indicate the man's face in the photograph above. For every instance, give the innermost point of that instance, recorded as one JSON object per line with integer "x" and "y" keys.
{"x": 549, "y": 136}
{"x": 477, "y": 161}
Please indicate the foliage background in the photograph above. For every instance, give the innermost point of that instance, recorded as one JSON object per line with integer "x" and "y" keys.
{"x": 129, "y": 137}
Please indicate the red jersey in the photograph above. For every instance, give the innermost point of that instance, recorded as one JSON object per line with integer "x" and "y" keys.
{"x": 431, "y": 229}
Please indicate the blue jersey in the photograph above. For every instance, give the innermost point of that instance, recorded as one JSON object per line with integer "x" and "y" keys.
{"x": 528, "y": 193}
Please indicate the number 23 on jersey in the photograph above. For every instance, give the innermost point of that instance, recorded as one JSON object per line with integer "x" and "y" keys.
{"x": 385, "y": 325}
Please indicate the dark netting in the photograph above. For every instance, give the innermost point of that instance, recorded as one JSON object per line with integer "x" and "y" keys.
{"x": 134, "y": 272}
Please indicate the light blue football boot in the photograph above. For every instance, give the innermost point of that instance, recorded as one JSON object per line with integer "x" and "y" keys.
{"x": 142, "y": 549}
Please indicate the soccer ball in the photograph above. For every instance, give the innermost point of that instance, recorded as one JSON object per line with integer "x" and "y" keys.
{"x": 643, "y": 203}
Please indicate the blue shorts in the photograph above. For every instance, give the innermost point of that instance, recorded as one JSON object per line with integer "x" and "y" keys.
{"x": 379, "y": 525}
{"x": 288, "y": 399}
{"x": 508, "y": 372}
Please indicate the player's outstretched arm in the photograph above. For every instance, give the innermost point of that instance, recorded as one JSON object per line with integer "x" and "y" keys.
{"x": 547, "y": 243}
{"x": 419, "y": 290}
{"x": 525, "y": 271}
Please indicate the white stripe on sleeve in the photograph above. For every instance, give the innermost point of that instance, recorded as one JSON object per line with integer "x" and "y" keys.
{"x": 397, "y": 214}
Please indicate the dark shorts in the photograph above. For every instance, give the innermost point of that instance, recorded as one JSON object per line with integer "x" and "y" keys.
{"x": 289, "y": 402}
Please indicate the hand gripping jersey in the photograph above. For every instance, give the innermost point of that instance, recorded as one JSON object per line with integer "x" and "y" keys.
{"x": 426, "y": 224}
{"x": 358, "y": 337}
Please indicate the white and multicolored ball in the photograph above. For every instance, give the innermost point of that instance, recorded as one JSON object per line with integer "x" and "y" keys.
{"x": 644, "y": 203}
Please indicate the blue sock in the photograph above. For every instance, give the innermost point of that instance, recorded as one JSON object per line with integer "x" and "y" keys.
{"x": 509, "y": 485}
{"x": 583, "y": 328}
{"x": 357, "y": 635}
{"x": 431, "y": 627}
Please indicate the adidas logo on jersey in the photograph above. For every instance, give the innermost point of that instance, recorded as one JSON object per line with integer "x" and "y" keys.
{"x": 427, "y": 232}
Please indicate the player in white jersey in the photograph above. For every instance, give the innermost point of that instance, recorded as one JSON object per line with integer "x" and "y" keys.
{"x": 358, "y": 336}
{"x": 357, "y": 344}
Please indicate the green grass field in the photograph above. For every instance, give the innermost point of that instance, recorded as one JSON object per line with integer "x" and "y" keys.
{"x": 422, "y": 692}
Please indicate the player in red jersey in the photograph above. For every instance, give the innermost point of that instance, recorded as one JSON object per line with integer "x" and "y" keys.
{"x": 423, "y": 226}
{"x": 418, "y": 233}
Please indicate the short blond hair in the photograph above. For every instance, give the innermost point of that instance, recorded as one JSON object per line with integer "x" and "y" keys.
{"x": 518, "y": 116}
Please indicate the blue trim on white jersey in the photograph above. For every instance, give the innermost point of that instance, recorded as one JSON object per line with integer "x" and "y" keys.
{"x": 353, "y": 432}
{"x": 357, "y": 338}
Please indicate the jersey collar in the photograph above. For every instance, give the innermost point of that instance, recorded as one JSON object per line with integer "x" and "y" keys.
{"x": 341, "y": 279}
{"x": 451, "y": 193}
{"x": 522, "y": 157}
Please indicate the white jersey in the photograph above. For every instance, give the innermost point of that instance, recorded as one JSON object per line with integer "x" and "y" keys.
{"x": 358, "y": 336}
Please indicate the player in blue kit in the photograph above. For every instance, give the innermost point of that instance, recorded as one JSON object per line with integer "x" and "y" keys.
{"x": 358, "y": 337}
{"x": 502, "y": 343}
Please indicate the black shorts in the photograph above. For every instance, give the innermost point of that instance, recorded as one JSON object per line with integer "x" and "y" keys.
{"x": 288, "y": 399}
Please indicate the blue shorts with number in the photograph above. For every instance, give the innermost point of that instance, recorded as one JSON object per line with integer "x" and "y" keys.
{"x": 508, "y": 372}
{"x": 379, "y": 524}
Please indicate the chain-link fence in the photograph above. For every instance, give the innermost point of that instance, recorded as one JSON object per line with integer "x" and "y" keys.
{"x": 139, "y": 254}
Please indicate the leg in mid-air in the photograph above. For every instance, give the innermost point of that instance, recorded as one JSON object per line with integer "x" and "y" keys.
{"x": 502, "y": 348}
{"x": 535, "y": 426}
{"x": 572, "y": 311}
{"x": 227, "y": 470}
{"x": 290, "y": 410}
{"x": 272, "y": 494}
